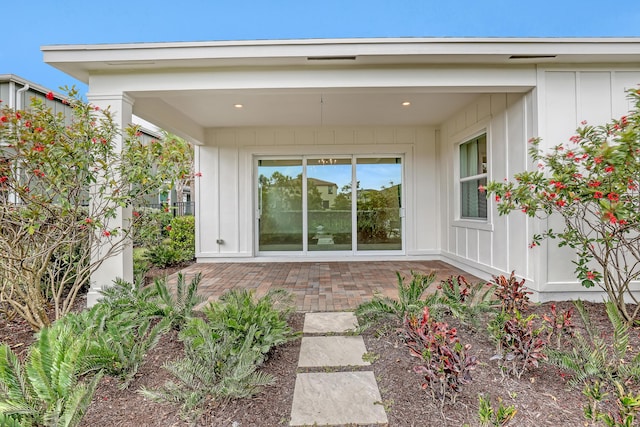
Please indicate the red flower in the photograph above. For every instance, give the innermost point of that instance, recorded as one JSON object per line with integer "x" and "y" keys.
{"x": 561, "y": 203}
{"x": 3, "y": 119}
{"x": 106, "y": 233}
{"x": 38, "y": 147}
{"x": 168, "y": 228}
{"x": 609, "y": 169}
{"x": 507, "y": 194}
{"x": 88, "y": 220}
{"x": 18, "y": 115}
{"x": 591, "y": 275}
{"x": 481, "y": 189}
{"x": 50, "y": 96}
{"x": 136, "y": 214}
{"x": 613, "y": 197}
{"x": 27, "y": 124}
{"x": 598, "y": 160}
{"x": 497, "y": 198}
{"x": 575, "y": 139}
{"x": 612, "y": 217}
{"x": 39, "y": 129}
{"x": 597, "y": 195}
{"x": 198, "y": 174}
{"x": 594, "y": 184}
{"x": 38, "y": 172}
{"x": 584, "y": 122}
{"x": 3, "y": 179}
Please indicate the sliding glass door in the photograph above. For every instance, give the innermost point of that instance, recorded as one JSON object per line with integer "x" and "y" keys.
{"x": 379, "y": 201}
{"x": 306, "y": 204}
{"x": 280, "y": 205}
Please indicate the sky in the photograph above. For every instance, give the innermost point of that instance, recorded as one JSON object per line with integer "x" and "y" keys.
{"x": 48, "y": 22}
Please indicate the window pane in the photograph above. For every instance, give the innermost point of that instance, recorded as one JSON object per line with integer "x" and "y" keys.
{"x": 378, "y": 202}
{"x": 473, "y": 157}
{"x": 329, "y": 204}
{"x": 280, "y": 193}
{"x": 473, "y": 203}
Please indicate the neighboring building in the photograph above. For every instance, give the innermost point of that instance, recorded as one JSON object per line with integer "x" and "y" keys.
{"x": 328, "y": 191}
{"x": 430, "y": 119}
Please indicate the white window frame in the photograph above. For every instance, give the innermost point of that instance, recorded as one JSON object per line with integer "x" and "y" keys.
{"x": 471, "y": 222}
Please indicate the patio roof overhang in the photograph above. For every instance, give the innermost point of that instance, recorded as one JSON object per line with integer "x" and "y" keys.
{"x": 188, "y": 87}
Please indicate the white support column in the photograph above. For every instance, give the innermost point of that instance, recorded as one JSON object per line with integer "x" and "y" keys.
{"x": 121, "y": 264}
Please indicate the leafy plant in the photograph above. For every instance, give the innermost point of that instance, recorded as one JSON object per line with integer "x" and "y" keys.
{"x": 511, "y": 293}
{"x": 446, "y": 364}
{"x": 183, "y": 236}
{"x": 627, "y": 403}
{"x": 464, "y": 301}
{"x": 593, "y": 358}
{"x": 592, "y": 183}
{"x": 499, "y": 417}
{"x": 238, "y": 311}
{"x": 559, "y": 324}
{"x": 178, "y": 307}
{"x": 45, "y": 389}
{"x": 132, "y": 297}
{"x": 216, "y": 367}
{"x": 164, "y": 255}
{"x": 54, "y": 239}
{"x": 411, "y": 300}
{"x": 522, "y": 345}
{"x": 120, "y": 347}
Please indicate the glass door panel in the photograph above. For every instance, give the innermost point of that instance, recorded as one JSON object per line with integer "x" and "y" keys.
{"x": 329, "y": 204}
{"x": 379, "y": 204}
{"x": 280, "y": 205}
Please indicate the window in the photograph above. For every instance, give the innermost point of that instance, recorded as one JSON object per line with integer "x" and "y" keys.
{"x": 473, "y": 174}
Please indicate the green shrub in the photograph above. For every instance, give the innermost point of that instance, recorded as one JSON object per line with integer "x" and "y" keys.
{"x": 153, "y": 227}
{"x": 237, "y": 311}
{"x": 411, "y": 300}
{"x": 178, "y": 307}
{"x": 216, "y": 366}
{"x": 163, "y": 256}
{"x": 465, "y": 301}
{"x": 183, "y": 236}
{"x": 45, "y": 389}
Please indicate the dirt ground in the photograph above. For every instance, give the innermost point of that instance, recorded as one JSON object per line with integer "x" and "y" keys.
{"x": 541, "y": 397}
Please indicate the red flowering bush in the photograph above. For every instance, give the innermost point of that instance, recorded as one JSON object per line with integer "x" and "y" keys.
{"x": 592, "y": 182}
{"x": 59, "y": 192}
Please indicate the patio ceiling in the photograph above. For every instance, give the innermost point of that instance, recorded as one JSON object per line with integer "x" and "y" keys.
{"x": 297, "y": 107}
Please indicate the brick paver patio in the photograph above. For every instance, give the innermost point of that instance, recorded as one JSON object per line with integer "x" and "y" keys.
{"x": 316, "y": 286}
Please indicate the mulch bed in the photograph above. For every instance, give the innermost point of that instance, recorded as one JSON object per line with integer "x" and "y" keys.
{"x": 541, "y": 397}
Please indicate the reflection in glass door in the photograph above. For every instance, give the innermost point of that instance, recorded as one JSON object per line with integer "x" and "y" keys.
{"x": 329, "y": 204}
{"x": 306, "y": 205}
{"x": 379, "y": 204}
{"x": 280, "y": 205}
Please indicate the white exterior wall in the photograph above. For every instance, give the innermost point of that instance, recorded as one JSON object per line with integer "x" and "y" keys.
{"x": 500, "y": 244}
{"x": 567, "y": 96}
{"x": 226, "y": 193}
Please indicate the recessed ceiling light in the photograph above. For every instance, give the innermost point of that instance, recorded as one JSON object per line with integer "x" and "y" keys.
{"x": 406, "y": 103}
{"x": 238, "y": 105}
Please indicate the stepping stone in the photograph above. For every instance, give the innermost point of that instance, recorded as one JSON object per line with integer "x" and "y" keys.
{"x": 336, "y": 322}
{"x": 337, "y": 398}
{"x": 332, "y": 351}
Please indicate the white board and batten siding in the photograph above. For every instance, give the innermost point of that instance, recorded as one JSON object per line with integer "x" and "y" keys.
{"x": 500, "y": 244}
{"x": 567, "y": 96}
{"x": 226, "y": 190}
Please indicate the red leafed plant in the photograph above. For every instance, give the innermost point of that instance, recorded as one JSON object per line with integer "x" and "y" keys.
{"x": 523, "y": 345}
{"x": 560, "y": 324}
{"x": 512, "y": 293}
{"x": 446, "y": 364}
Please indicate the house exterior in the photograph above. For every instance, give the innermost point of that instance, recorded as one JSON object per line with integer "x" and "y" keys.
{"x": 407, "y": 129}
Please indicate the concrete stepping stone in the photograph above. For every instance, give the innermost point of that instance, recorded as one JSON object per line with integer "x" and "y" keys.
{"x": 332, "y": 351}
{"x": 335, "y": 322}
{"x": 337, "y": 398}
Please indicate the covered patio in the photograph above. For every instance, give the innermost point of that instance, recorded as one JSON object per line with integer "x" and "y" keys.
{"x": 316, "y": 286}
